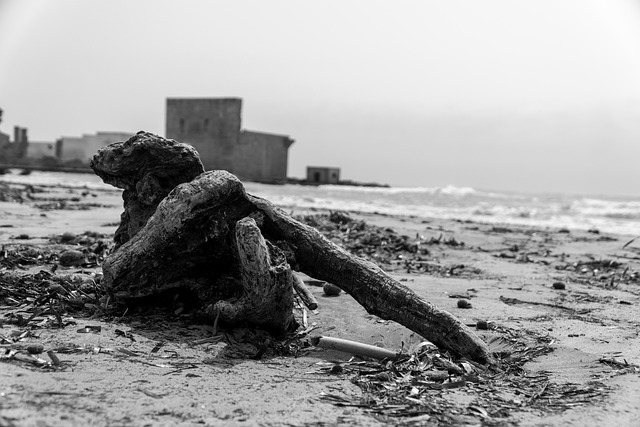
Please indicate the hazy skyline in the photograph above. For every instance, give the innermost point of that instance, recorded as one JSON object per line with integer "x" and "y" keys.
{"x": 497, "y": 94}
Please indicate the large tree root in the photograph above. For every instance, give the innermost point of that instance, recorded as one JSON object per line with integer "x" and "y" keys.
{"x": 206, "y": 236}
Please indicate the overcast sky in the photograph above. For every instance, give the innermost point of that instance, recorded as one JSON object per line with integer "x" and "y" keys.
{"x": 495, "y": 94}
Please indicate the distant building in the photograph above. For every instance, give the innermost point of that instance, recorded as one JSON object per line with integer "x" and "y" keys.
{"x": 5, "y": 140}
{"x": 213, "y": 127}
{"x": 323, "y": 175}
{"x": 40, "y": 150}
{"x": 79, "y": 150}
{"x": 65, "y": 152}
{"x": 14, "y": 151}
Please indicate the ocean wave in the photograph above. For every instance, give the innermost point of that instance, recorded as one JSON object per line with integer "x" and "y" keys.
{"x": 448, "y": 190}
{"x": 618, "y": 209}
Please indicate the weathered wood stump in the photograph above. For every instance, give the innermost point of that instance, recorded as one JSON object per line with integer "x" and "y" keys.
{"x": 227, "y": 248}
{"x": 147, "y": 167}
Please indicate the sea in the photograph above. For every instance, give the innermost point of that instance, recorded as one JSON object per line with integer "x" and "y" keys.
{"x": 607, "y": 214}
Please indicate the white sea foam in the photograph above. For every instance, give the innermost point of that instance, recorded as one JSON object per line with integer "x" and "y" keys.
{"x": 451, "y": 190}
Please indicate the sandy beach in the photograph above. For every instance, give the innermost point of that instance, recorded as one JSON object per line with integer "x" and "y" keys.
{"x": 565, "y": 301}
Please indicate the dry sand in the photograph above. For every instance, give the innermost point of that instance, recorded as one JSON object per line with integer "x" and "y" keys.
{"x": 148, "y": 370}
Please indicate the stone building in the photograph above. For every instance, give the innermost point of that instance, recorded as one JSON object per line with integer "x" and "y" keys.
{"x": 4, "y": 138}
{"x": 323, "y": 175}
{"x": 213, "y": 126}
{"x": 79, "y": 149}
{"x": 14, "y": 151}
{"x": 40, "y": 150}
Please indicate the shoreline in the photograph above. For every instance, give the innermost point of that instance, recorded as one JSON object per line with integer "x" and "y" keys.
{"x": 607, "y": 215}
{"x": 507, "y": 273}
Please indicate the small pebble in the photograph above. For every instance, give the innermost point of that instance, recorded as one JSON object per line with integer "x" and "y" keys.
{"x": 67, "y": 237}
{"x": 331, "y": 290}
{"x": 559, "y": 285}
{"x": 35, "y": 348}
{"x": 71, "y": 258}
{"x": 482, "y": 324}
{"x": 463, "y": 303}
{"x": 337, "y": 369}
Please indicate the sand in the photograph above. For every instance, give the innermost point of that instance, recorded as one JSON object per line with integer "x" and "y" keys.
{"x": 139, "y": 371}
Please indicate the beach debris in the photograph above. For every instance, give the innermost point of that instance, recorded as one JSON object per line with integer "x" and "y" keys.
{"x": 54, "y": 358}
{"x": 378, "y": 244}
{"x": 463, "y": 303}
{"x": 234, "y": 252}
{"x": 68, "y": 237}
{"x": 514, "y": 301}
{"x": 605, "y": 273}
{"x": 90, "y": 329}
{"x": 35, "y": 348}
{"x": 49, "y": 296}
{"x": 89, "y": 249}
{"x": 384, "y": 246}
{"x": 147, "y": 167}
{"x": 353, "y": 347}
{"x": 499, "y": 229}
{"x": 121, "y": 333}
{"x": 630, "y": 242}
{"x": 559, "y": 285}
{"x": 482, "y": 324}
{"x": 331, "y": 290}
{"x": 314, "y": 282}
{"x": 303, "y": 292}
{"x": 411, "y": 387}
{"x": 14, "y": 192}
{"x": 71, "y": 258}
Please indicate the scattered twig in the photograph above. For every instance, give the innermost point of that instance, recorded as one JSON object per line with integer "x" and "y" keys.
{"x": 54, "y": 358}
{"x": 512, "y": 301}
{"x": 630, "y": 242}
{"x": 303, "y": 292}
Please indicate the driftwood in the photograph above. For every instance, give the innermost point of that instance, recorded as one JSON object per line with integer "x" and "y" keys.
{"x": 153, "y": 167}
{"x": 233, "y": 253}
{"x": 304, "y": 293}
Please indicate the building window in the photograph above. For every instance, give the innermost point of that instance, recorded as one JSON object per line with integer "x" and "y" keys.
{"x": 181, "y": 125}
{"x": 316, "y": 177}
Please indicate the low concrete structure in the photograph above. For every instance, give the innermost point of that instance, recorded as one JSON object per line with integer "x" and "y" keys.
{"x": 323, "y": 175}
{"x": 262, "y": 157}
{"x": 39, "y": 150}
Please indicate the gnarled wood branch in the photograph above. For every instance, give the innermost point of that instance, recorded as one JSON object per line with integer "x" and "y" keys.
{"x": 199, "y": 238}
